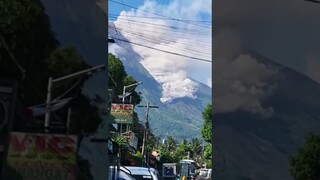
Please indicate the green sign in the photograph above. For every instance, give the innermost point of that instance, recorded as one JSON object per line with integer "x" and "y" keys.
{"x": 121, "y": 113}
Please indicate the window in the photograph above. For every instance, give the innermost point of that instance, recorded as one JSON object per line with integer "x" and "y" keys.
{"x": 142, "y": 177}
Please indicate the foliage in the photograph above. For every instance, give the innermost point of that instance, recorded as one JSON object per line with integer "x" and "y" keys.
{"x": 208, "y": 155}
{"x": 182, "y": 149}
{"x": 138, "y": 154}
{"x": 26, "y": 29}
{"x": 207, "y": 124}
{"x": 196, "y": 146}
{"x": 118, "y": 78}
{"x": 120, "y": 141}
{"x": 305, "y": 164}
{"x": 137, "y": 157}
{"x": 207, "y": 134}
{"x": 167, "y": 157}
{"x": 208, "y": 152}
{"x": 171, "y": 151}
{"x": 27, "y": 42}
{"x": 170, "y": 144}
{"x": 64, "y": 60}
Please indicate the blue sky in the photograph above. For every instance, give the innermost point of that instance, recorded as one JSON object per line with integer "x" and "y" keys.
{"x": 199, "y": 42}
{"x": 116, "y": 8}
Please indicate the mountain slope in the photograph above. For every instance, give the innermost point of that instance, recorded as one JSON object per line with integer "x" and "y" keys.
{"x": 182, "y": 117}
{"x": 250, "y": 147}
{"x": 83, "y": 24}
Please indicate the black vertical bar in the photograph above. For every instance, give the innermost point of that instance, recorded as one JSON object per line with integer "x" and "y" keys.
{"x": 3, "y": 157}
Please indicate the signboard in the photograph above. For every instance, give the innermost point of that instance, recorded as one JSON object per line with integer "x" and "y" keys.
{"x": 121, "y": 113}
{"x": 169, "y": 170}
{"x": 43, "y": 156}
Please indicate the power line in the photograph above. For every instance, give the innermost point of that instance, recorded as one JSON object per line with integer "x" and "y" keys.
{"x": 160, "y": 40}
{"x": 173, "y": 53}
{"x": 124, "y": 8}
{"x": 175, "y": 28}
{"x": 176, "y": 33}
{"x": 158, "y": 14}
{"x": 199, "y": 21}
{"x": 172, "y": 37}
{"x": 115, "y": 84}
{"x": 25, "y": 75}
{"x": 85, "y": 53}
{"x": 20, "y": 67}
{"x": 173, "y": 47}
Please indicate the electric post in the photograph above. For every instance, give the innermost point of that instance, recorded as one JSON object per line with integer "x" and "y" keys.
{"x": 145, "y": 136}
{"x": 120, "y": 125}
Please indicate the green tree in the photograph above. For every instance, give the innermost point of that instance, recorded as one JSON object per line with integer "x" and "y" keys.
{"x": 65, "y": 60}
{"x": 28, "y": 47}
{"x": 182, "y": 149}
{"x": 196, "y": 146}
{"x": 26, "y": 40}
{"x": 196, "y": 149}
{"x": 305, "y": 165}
{"x": 207, "y": 124}
{"x": 207, "y": 133}
{"x": 170, "y": 144}
{"x": 118, "y": 78}
{"x": 208, "y": 155}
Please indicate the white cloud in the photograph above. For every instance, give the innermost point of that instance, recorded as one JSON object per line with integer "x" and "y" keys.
{"x": 189, "y": 39}
{"x": 286, "y": 34}
{"x": 209, "y": 82}
{"x": 240, "y": 81}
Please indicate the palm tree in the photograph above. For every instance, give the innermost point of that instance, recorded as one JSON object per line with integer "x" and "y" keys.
{"x": 170, "y": 144}
{"x": 185, "y": 142}
{"x": 196, "y": 148}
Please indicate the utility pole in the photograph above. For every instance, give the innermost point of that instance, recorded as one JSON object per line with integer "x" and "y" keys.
{"x": 123, "y": 100}
{"x": 51, "y": 82}
{"x": 145, "y": 136}
{"x": 120, "y": 125}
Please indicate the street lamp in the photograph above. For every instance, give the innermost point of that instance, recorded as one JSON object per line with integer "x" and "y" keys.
{"x": 124, "y": 89}
{"x": 52, "y": 81}
{"x": 120, "y": 128}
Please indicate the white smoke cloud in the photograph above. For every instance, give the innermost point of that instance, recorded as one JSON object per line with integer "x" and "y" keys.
{"x": 171, "y": 71}
{"x": 209, "y": 82}
{"x": 240, "y": 81}
{"x": 287, "y": 37}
